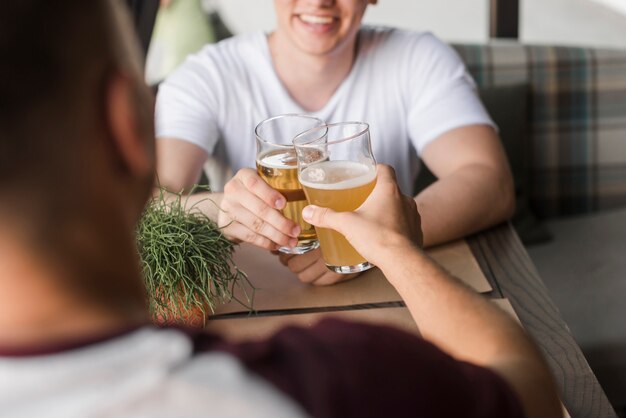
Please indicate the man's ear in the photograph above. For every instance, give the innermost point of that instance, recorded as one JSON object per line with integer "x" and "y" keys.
{"x": 127, "y": 125}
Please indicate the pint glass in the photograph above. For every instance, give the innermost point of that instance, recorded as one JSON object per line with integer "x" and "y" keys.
{"x": 337, "y": 170}
{"x": 276, "y": 164}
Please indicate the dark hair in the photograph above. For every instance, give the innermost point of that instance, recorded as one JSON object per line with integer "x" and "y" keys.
{"x": 51, "y": 52}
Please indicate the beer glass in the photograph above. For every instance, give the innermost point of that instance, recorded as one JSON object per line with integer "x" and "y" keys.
{"x": 337, "y": 170}
{"x": 276, "y": 163}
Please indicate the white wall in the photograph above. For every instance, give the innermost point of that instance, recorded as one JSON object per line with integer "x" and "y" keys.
{"x": 247, "y": 15}
{"x": 449, "y": 19}
{"x": 453, "y": 20}
{"x": 574, "y": 22}
{"x": 619, "y": 5}
{"x": 567, "y": 22}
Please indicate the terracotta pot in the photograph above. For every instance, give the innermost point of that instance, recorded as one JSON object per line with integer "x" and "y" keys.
{"x": 187, "y": 316}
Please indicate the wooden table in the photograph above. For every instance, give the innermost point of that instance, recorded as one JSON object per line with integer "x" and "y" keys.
{"x": 509, "y": 269}
{"x": 510, "y": 274}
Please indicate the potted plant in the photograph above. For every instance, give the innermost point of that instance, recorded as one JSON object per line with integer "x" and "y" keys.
{"x": 187, "y": 262}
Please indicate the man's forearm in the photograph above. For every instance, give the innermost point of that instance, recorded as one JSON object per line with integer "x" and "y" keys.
{"x": 469, "y": 200}
{"x": 207, "y": 202}
{"x": 447, "y": 312}
{"x": 470, "y": 328}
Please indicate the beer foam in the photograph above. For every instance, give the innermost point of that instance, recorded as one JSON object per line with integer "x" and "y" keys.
{"x": 282, "y": 159}
{"x": 337, "y": 175}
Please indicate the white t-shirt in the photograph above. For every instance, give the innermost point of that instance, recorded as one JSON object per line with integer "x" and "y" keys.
{"x": 409, "y": 86}
{"x": 147, "y": 373}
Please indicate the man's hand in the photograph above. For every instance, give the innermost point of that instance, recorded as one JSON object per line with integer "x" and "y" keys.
{"x": 385, "y": 221}
{"x": 250, "y": 212}
{"x": 310, "y": 268}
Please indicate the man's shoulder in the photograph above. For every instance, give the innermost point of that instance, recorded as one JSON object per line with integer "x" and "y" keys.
{"x": 215, "y": 65}
{"x": 236, "y": 47}
{"x": 375, "y": 34}
{"x": 388, "y": 46}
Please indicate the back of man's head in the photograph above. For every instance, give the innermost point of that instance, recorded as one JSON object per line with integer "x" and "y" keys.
{"x": 56, "y": 57}
{"x": 76, "y": 142}
{"x": 50, "y": 50}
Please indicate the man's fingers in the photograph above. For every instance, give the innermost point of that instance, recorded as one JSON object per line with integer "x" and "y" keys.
{"x": 284, "y": 258}
{"x": 313, "y": 272}
{"x": 239, "y": 232}
{"x": 261, "y": 211}
{"x": 257, "y": 226}
{"x": 311, "y": 269}
{"x": 255, "y": 184}
{"x": 324, "y": 217}
{"x": 386, "y": 173}
{"x": 330, "y": 278}
{"x": 302, "y": 262}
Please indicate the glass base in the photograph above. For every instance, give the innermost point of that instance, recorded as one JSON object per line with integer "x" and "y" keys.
{"x": 302, "y": 247}
{"x": 351, "y": 269}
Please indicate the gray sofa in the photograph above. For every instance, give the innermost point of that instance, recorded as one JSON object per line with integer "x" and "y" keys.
{"x": 562, "y": 114}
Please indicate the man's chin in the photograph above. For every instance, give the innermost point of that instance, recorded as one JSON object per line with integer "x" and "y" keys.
{"x": 315, "y": 44}
{"x": 319, "y": 49}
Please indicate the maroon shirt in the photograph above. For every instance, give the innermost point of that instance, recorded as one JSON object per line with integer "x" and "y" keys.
{"x": 345, "y": 369}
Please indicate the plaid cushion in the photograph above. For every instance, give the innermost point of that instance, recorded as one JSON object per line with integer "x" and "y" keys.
{"x": 577, "y": 120}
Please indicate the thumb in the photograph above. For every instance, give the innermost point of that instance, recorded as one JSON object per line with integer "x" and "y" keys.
{"x": 322, "y": 217}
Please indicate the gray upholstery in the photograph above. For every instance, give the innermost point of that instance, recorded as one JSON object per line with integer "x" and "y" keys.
{"x": 584, "y": 267}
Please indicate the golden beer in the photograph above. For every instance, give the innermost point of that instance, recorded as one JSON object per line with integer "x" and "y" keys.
{"x": 279, "y": 169}
{"x": 342, "y": 186}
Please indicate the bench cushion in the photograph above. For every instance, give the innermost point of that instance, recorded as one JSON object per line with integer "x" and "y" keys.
{"x": 577, "y": 120}
{"x": 584, "y": 268}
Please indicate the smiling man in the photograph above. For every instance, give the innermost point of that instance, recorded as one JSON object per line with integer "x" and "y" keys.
{"x": 410, "y": 87}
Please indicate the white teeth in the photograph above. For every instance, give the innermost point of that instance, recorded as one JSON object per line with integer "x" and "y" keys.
{"x": 323, "y": 20}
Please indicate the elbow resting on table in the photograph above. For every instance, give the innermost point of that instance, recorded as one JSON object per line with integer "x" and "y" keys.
{"x": 500, "y": 193}
{"x": 507, "y": 199}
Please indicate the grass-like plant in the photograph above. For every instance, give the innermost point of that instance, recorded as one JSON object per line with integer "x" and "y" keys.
{"x": 187, "y": 262}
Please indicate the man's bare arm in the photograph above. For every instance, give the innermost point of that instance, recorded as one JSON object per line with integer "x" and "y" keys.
{"x": 475, "y": 186}
{"x": 179, "y": 164}
{"x": 471, "y": 328}
{"x": 386, "y": 231}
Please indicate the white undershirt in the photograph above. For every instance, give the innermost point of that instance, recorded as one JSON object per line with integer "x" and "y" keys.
{"x": 147, "y": 373}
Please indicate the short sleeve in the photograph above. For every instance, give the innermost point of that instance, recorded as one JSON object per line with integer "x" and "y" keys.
{"x": 341, "y": 369}
{"x": 442, "y": 95}
{"x": 187, "y": 105}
